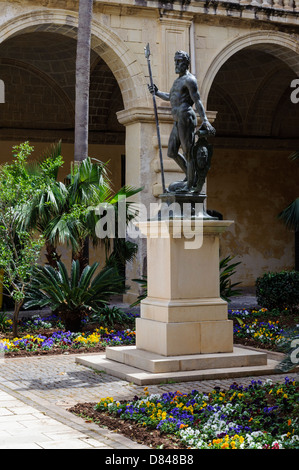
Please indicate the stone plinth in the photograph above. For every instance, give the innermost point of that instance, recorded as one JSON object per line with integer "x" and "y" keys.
{"x": 183, "y": 332}
{"x": 183, "y": 313}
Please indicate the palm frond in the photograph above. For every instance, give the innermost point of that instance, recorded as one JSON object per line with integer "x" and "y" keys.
{"x": 294, "y": 155}
{"x": 290, "y": 215}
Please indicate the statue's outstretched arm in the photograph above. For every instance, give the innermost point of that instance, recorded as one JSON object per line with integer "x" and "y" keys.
{"x": 160, "y": 94}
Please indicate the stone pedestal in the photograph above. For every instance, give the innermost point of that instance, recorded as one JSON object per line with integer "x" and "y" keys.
{"x": 183, "y": 313}
{"x": 183, "y": 332}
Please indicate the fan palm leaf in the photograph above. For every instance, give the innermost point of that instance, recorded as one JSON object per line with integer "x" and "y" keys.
{"x": 295, "y": 155}
{"x": 290, "y": 215}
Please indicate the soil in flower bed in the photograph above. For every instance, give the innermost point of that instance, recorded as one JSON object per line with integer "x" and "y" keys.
{"x": 134, "y": 431}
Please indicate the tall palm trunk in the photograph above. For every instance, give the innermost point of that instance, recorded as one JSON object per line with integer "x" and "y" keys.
{"x": 82, "y": 86}
{"x": 83, "y": 79}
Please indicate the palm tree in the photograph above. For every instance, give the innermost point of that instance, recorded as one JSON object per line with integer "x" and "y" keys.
{"x": 47, "y": 200}
{"x": 66, "y": 213}
{"x": 83, "y": 79}
{"x": 290, "y": 216}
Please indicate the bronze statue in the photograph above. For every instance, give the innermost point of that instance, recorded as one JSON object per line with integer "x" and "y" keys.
{"x": 195, "y": 160}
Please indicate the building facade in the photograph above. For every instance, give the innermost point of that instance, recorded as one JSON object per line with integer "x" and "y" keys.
{"x": 245, "y": 55}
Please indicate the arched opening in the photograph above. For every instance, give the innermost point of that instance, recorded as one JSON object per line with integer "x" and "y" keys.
{"x": 38, "y": 65}
{"x": 252, "y": 179}
{"x": 38, "y": 69}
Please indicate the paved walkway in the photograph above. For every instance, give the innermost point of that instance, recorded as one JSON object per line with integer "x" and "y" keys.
{"x": 36, "y": 392}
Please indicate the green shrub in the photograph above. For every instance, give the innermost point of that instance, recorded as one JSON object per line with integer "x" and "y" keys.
{"x": 108, "y": 316}
{"x": 74, "y": 296}
{"x": 278, "y": 290}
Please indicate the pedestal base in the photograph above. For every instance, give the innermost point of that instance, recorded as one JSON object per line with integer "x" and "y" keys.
{"x": 146, "y": 368}
{"x": 171, "y": 339}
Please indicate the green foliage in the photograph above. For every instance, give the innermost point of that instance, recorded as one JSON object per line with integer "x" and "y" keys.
{"x": 290, "y": 215}
{"x": 19, "y": 248}
{"x": 227, "y": 288}
{"x": 143, "y": 284}
{"x": 278, "y": 290}
{"x": 67, "y": 213}
{"x": 109, "y": 316}
{"x": 4, "y": 321}
{"x": 37, "y": 210}
{"x": 74, "y": 296}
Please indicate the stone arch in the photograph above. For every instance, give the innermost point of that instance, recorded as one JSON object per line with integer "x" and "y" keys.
{"x": 280, "y": 45}
{"x": 105, "y": 43}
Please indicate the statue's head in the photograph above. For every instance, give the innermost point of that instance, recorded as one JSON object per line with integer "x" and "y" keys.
{"x": 182, "y": 61}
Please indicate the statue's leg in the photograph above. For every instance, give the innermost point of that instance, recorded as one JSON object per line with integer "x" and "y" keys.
{"x": 173, "y": 149}
{"x": 186, "y": 128}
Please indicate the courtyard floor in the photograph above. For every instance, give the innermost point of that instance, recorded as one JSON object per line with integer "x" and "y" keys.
{"x": 36, "y": 392}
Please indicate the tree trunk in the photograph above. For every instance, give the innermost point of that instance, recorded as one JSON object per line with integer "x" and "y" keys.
{"x": 17, "y": 309}
{"x": 83, "y": 79}
{"x": 82, "y": 255}
{"x": 52, "y": 256}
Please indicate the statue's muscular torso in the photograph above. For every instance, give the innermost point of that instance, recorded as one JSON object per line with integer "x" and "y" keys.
{"x": 180, "y": 98}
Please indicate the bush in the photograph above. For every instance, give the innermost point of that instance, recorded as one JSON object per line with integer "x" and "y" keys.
{"x": 108, "y": 316}
{"x": 72, "y": 297}
{"x": 278, "y": 290}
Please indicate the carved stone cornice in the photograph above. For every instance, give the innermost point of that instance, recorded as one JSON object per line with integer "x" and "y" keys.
{"x": 146, "y": 115}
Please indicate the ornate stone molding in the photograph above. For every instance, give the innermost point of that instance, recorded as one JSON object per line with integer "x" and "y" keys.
{"x": 146, "y": 115}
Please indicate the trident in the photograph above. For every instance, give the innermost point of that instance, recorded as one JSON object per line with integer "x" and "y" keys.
{"x": 147, "y": 55}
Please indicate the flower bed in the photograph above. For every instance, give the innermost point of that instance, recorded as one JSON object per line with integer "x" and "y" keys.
{"x": 264, "y": 329}
{"x": 257, "y": 328}
{"x": 260, "y": 416}
{"x": 53, "y": 339}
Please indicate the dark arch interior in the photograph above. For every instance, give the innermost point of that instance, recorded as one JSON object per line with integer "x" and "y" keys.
{"x": 38, "y": 70}
{"x": 251, "y": 93}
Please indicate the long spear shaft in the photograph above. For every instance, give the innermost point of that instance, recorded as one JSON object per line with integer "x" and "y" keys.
{"x": 147, "y": 55}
